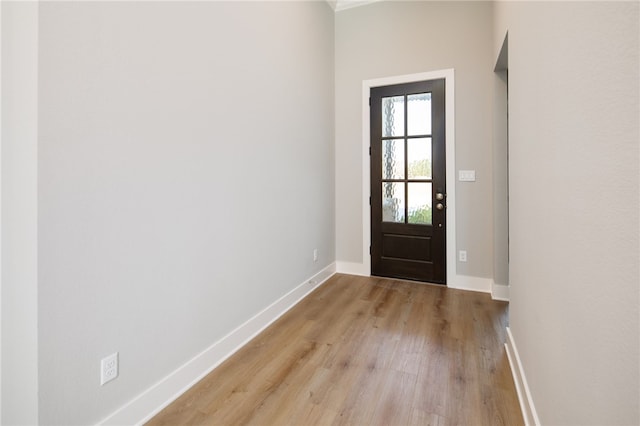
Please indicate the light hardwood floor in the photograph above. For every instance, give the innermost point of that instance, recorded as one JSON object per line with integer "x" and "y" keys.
{"x": 365, "y": 351}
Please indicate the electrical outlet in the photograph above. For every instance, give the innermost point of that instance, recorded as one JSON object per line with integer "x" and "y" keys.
{"x": 462, "y": 255}
{"x": 315, "y": 255}
{"x": 108, "y": 368}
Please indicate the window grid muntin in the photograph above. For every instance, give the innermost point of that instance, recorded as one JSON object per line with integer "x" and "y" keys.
{"x": 405, "y": 139}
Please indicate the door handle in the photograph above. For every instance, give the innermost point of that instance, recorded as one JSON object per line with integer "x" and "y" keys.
{"x": 439, "y": 206}
{"x": 439, "y": 196}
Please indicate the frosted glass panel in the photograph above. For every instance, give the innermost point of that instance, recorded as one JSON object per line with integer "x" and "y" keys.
{"x": 393, "y": 116}
{"x": 419, "y": 114}
{"x": 419, "y": 158}
{"x": 393, "y": 159}
{"x": 419, "y": 203}
{"x": 393, "y": 202}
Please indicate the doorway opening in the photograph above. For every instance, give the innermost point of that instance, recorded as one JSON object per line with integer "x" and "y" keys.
{"x": 453, "y": 280}
{"x": 408, "y": 181}
{"x": 501, "y": 172}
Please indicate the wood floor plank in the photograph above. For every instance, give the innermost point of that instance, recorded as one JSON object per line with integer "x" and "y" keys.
{"x": 365, "y": 350}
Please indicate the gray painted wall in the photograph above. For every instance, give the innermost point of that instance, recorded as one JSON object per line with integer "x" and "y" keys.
{"x": 185, "y": 177}
{"x": 19, "y": 214}
{"x": 500, "y": 181}
{"x": 574, "y": 177}
{"x": 396, "y": 38}
{"x": 135, "y": 200}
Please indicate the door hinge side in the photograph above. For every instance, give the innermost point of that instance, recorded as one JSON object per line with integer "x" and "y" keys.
{"x": 369, "y": 249}
{"x": 369, "y": 100}
{"x": 369, "y": 151}
{"x": 369, "y": 200}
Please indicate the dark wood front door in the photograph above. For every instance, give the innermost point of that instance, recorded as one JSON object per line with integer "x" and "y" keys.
{"x": 408, "y": 188}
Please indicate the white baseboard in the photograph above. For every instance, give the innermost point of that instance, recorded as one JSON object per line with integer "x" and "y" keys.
{"x": 522, "y": 388}
{"x": 499, "y": 292}
{"x": 460, "y": 282}
{"x": 150, "y": 402}
{"x": 467, "y": 282}
{"x": 352, "y": 268}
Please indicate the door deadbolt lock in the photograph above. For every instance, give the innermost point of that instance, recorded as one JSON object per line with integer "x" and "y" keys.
{"x": 439, "y": 206}
{"x": 439, "y": 196}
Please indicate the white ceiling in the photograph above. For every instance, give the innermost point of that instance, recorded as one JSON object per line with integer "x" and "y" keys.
{"x": 339, "y": 5}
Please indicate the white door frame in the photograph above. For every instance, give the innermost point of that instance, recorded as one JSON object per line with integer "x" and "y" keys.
{"x": 448, "y": 75}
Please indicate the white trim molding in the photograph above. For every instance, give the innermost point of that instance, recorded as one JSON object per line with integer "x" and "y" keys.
{"x": 467, "y": 282}
{"x": 352, "y": 268}
{"x": 522, "y": 387}
{"x": 499, "y": 292}
{"x": 153, "y": 400}
{"x": 339, "y": 5}
{"x": 462, "y": 282}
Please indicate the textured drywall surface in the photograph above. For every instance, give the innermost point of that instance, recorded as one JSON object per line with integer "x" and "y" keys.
{"x": 185, "y": 177}
{"x": 574, "y": 177}
{"x": 397, "y": 38}
{"x": 19, "y": 213}
{"x": 500, "y": 181}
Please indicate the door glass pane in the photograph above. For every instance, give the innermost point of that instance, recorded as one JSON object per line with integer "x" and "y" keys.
{"x": 420, "y": 203}
{"x": 393, "y": 116}
{"x": 393, "y": 159}
{"x": 393, "y": 202}
{"x": 419, "y": 114}
{"x": 419, "y": 158}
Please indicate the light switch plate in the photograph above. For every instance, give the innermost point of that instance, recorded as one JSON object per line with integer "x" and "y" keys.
{"x": 467, "y": 175}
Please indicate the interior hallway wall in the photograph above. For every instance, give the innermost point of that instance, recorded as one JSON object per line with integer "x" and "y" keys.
{"x": 19, "y": 297}
{"x": 185, "y": 177}
{"x": 397, "y": 38}
{"x": 574, "y": 205}
{"x": 500, "y": 179}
